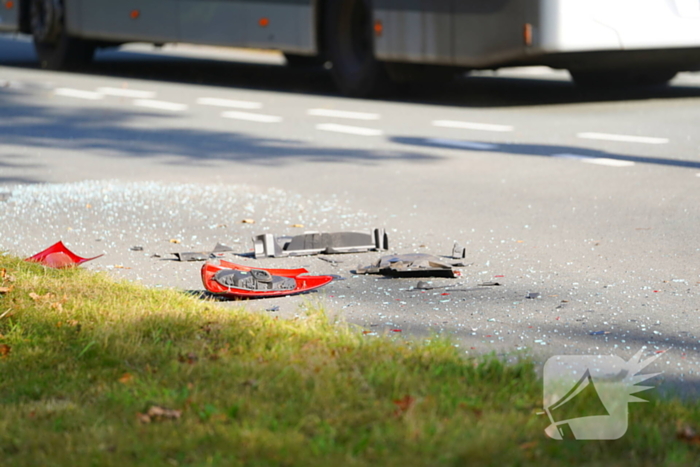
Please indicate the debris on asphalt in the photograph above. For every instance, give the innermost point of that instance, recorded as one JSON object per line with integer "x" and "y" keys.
{"x": 532, "y": 295}
{"x": 458, "y": 252}
{"x": 333, "y": 262}
{"x": 314, "y": 243}
{"x": 202, "y": 255}
{"x": 411, "y": 265}
{"x": 490, "y": 284}
{"x": 234, "y": 280}
{"x": 174, "y": 240}
{"x": 59, "y": 257}
{"x": 273, "y": 308}
{"x": 136, "y": 248}
{"x": 248, "y": 221}
{"x": 599, "y": 333}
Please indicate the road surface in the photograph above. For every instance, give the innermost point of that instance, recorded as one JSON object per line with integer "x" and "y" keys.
{"x": 589, "y": 199}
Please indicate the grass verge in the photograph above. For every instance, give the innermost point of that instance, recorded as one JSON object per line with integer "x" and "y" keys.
{"x": 94, "y": 372}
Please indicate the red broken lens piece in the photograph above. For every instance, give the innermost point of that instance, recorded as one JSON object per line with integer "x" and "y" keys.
{"x": 59, "y": 257}
{"x": 234, "y": 280}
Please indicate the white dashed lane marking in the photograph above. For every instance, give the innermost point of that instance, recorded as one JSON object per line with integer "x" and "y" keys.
{"x": 235, "y": 104}
{"x": 463, "y": 144}
{"x": 623, "y": 138}
{"x": 251, "y": 117}
{"x": 160, "y": 105}
{"x": 471, "y": 125}
{"x": 122, "y": 92}
{"x": 342, "y": 114}
{"x": 351, "y": 130}
{"x": 596, "y": 160}
{"x": 77, "y": 93}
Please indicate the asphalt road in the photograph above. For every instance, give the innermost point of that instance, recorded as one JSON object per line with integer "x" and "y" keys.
{"x": 590, "y": 199}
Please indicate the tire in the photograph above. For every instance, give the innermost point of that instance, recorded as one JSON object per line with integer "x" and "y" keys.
{"x": 349, "y": 42}
{"x": 303, "y": 61}
{"x": 621, "y": 78}
{"x": 55, "y": 48}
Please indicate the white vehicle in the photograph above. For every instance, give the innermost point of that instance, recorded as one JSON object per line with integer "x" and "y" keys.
{"x": 369, "y": 42}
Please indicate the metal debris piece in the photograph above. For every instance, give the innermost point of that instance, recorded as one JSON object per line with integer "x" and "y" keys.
{"x": 532, "y": 295}
{"x": 59, "y": 257}
{"x": 411, "y": 265}
{"x": 490, "y": 284}
{"x": 313, "y": 243}
{"x": 458, "y": 252}
{"x": 202, "y": 255}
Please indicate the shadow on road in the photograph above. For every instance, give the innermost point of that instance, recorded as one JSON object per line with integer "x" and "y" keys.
{"x": 542, "y": 150}
{"x": 475, "y": 92}
{"x": 108, "y": 132}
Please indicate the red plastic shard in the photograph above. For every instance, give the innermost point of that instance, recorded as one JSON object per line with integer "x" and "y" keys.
{"x": 59, "y": 257}
{"x": 234, "y": 280}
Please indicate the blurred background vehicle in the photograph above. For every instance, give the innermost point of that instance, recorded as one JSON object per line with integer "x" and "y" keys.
{"x": 369, "y": 44}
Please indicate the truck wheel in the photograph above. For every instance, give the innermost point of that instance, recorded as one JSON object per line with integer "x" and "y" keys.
{"x": 303, "y": 61}
{"x": 621, "y": 78}
{"x": 56, "y": 49}
{"x": 350, "y": 48}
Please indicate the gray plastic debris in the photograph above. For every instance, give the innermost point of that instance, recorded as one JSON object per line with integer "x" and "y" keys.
{"x": 313, "y": 243}
{"x": 136, "y": 248}
{"x": 490, "y": 284}
{"x": 202, "y": 255}
{"x": 411, "y": 265}
{"x": 255, "y": 279}
{"x": 532, "y": 295}
{"x": 458, "y": 252}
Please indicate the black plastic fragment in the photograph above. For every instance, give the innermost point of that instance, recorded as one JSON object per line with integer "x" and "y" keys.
{"x": 313, "y": 243}
{"x": 410, "y": 265}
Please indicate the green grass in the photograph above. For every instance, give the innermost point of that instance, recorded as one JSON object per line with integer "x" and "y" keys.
{"x": 84, "y": 356}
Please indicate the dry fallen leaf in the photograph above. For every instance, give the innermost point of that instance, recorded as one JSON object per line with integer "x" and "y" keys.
{"x": 126, "y": 378}
{"x": 6, "y": 289}
{"x": 5, "y": 276}
{"x": 403, "y": 404}
{"x": 156, "y": 414}
{"x": 297, "y": 226}
{"x": 174, "y": 240}
{"x": 248, "y": 221}
{"x": 119, "y": 266}
{"x": 687, "y": 434}
{"x": 190, "y": 358}
{"x": 4, "y": 350}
